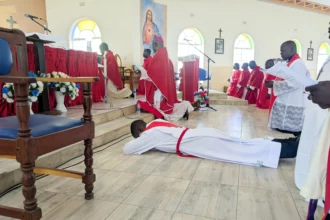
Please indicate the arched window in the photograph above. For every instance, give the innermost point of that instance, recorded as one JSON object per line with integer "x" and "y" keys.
{"x": 298, "y": 45}
{"x": 86, "y": 36}
{"x": 243, "y": 49}
{"x": 323, "y": 55}
{"x": 195, "y": 38}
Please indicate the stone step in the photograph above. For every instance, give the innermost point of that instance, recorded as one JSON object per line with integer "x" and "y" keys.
{"x": 111, "y": 130}
{"x": 228, "y": 101}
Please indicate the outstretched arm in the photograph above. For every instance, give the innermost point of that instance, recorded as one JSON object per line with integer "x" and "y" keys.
{"x": 142, "y": 144}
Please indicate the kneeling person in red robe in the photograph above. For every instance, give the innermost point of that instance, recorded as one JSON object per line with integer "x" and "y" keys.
{"x": 265, "y": 93}
{"x": 254, "y": 83}
{"x": 161, "y": 96}
{"x": 146, "y": 64}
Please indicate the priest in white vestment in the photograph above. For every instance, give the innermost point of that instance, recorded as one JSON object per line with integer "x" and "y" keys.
{"x": 317, "y": 183}
{"x": 207, "y": 143}
{"x": 315, "y": 118}
{"x": 287, "y": 114}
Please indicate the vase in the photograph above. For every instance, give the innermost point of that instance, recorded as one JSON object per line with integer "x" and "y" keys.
{"x": 30, "y": 105}
{"x": 60, "y": 102}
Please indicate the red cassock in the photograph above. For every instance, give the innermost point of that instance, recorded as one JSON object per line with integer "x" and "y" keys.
{"x": 113, "y": 70}
{"x": 255, "y": 81}
{"x": 161, "y": 74}
{"x": 262, "y": 101}
{"x": 242, "y": 81}
{"x": 141, "y": 88}
{"x": 232, "y": 86}
{"x": 273, "y": 97}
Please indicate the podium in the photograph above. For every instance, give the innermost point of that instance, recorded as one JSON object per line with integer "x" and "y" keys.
{"x": 39, "y": 41}
{"x": 189, "y": 77}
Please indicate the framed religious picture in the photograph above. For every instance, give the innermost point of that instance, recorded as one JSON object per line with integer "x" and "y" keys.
{"x": 219, "y": 46}
{"x": 310, "y": 54}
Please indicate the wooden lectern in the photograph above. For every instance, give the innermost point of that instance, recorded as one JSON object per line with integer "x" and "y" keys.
{"x": 40, "y": 63}
{"x": 190, "y": 75}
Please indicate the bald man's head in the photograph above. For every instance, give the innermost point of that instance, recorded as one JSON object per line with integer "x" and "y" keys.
{"x": 288, "y": 49}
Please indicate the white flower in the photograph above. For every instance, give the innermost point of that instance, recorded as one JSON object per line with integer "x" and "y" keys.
{"x": 34, "y": 85}
{"x": 10, "y": 100}
{"x": 10, "y": 94}
{"x": 34, "y": 98}
{"x": 40, "y": 84}
{"x": 67, "y": 83}
{"x": 63, "y": 90}
{"x": 70, "y": 88}
{"x": 49, "y": 75}
{"x": 57, "y": 85}
{"x": 4, "y": 96}
{"x": 40, "y": 89}
{"x": 73, "y": 97}
{"x": 77, "y": 90}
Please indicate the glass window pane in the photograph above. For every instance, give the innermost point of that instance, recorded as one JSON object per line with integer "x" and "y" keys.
{"x": 96, "y": 45}
{"x": 79, "y": 45}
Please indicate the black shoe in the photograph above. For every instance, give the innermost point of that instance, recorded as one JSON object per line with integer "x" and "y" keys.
{"x": 186, "y": 116}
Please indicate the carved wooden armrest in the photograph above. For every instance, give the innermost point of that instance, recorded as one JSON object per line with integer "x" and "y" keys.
{"x": 70, "y": 79}
{"x": 17, "y": 79}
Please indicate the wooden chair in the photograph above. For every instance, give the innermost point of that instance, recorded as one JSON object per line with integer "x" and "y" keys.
{"x": 25, "y": 137}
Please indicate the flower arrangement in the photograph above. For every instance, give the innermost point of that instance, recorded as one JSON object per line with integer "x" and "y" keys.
{"x": 201, "y": 98}
{"x": 34, "y": 90}
{"x": 66, "y": 88}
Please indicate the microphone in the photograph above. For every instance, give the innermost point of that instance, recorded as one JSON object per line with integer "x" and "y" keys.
{"x": 31, "y": 16}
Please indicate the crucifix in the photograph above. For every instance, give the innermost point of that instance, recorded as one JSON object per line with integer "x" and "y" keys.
{"x": 220, "y": 31}
{"x": 311, "y": 44}
{"x": 11, "y": 22}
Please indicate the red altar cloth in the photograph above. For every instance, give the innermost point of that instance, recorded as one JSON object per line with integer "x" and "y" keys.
{"x": 73, "y": 63}
{"x": 190, "y": 75}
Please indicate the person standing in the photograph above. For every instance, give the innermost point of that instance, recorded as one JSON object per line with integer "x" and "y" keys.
{"x": 242, "y": 81}
{"x": 254, "y": 83}
{"x": 115, "y": 88}
{"x": 287, "y": 111}
{"x": 265, "y": 93}
{"x": 147, "y": 60}
{"x": 233, "y": 80}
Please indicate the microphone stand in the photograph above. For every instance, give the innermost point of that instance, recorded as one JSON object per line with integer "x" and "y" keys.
{"x": 208, "y": 72}
{"x": 43, "y": 26}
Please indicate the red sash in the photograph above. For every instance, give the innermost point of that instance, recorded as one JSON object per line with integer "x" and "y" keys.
{"x": 273, "y": 97}
{"x": 170, "y": 125}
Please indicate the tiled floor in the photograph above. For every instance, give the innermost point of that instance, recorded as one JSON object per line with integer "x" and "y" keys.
{"x": 159, "y": 186}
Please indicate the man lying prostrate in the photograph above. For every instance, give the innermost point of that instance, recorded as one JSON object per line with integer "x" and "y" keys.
{"x": 207, "y": 143}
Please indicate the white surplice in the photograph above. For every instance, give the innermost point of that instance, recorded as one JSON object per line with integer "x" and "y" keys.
{"x": 315, "y": 118}
{"x": 113, "y": 90}
{"x": 288, "y": 110}
{"x": 208, "y": 143}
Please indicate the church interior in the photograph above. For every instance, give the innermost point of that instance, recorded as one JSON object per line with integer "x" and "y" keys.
{"x": 61, "y": 151}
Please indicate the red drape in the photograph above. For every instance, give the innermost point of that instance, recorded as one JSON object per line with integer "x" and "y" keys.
{"x": 189, "y": 81}
{"x": 66, "y": 61}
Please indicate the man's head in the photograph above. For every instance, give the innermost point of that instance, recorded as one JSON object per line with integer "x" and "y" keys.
{"x": 137, "y": 127}
{"x": 157, "y": 43}
{"x": 104, "y": 47}
{"x": 252, "y": 64}
{"x": 146, "y": 53}
{"x": 245, "y": 66}
{"x": 236, "y": 66}
{"x": 269, "y": 63}
{"x": 288, "y": 49}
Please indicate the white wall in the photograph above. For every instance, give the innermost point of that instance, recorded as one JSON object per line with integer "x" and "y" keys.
{"x": 268, "y": 24}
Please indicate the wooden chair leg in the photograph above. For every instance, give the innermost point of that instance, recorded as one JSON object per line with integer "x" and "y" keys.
{"x": 32, "y": 211}
{"x": 89, "y": 177}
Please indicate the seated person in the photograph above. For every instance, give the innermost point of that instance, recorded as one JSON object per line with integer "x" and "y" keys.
{"x": 161, "y": 95}
{"x": 207, "y": 143}
{"x": 111, "y": 71}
